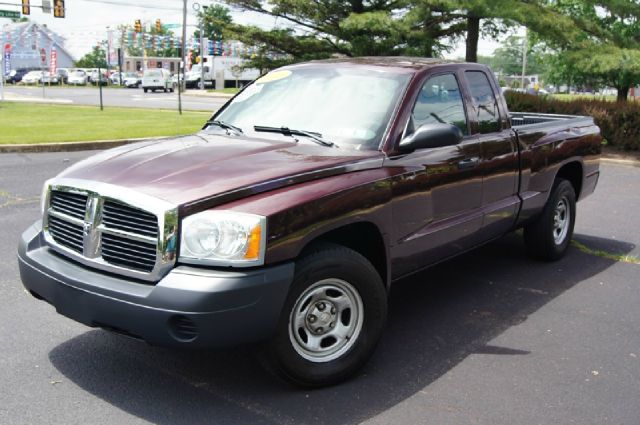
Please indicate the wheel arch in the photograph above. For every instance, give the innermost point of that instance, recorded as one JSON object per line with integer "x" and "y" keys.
{"x": 574, "y": 173}
{"x": 365, "y": 238}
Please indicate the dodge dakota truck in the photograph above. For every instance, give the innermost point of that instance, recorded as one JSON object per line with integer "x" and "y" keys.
{"x": 287, "y": 218}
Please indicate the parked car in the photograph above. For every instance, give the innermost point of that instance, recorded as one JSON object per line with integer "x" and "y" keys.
{"x": 304, "y": 198}
{"x": 63, "y": 75}
{"x": 157, "y": 79}
{"x": 32, "y": 77}
{"x": 114, "y": 78}
{"x": 132, "y": 80}
{"x": 77, "y": 78}
{"x": 95, "y": 77}
{"x": 15, "y": 75}
{"x": 47, "y": 78}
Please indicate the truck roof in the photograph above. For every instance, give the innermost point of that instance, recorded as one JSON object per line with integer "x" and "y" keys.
{"x": 413, "y": 63}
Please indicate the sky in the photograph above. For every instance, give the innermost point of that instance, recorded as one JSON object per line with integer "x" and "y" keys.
{"x": 87, "y": 21}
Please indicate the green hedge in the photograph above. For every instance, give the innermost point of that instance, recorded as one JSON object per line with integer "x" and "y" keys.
{"x": 619, "y": 122}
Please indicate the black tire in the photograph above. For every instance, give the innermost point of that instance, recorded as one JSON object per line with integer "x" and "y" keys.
{"x": 321, "y": 267}
{"x": 546, "y": 238}
{"x": 165, "y": 89}
{"x": 145, "y": 90}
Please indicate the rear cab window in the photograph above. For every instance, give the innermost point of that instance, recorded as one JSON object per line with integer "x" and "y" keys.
{"x": 485, "y": 103}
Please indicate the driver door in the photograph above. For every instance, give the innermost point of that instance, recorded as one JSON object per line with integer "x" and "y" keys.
{"x": 438, "y": 196}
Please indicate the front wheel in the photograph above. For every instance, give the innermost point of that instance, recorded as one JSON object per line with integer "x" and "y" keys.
{"x": 332, "y": 319}
{"x": 548, "y": 237}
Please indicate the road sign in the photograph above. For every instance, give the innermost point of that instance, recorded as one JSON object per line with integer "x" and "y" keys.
{"x": 9, "y": 14}
{"x": 46, "y": 6}
{"x": 53, "y": 63}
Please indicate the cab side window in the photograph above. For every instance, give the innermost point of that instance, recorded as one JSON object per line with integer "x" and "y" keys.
{"x": 485, "y": 101}
{"x": 440, "y": 101}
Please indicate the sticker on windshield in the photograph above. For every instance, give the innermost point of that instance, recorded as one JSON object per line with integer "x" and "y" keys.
{"x": 273, "y": 76}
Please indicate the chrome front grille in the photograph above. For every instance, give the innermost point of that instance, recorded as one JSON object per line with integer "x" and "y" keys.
{"x": 129, "y": 253}
{"x": 119, "y": 216}
{"x": 69, "y": 203}
{"x": 66, "y": 233}
{"x": 110, "y": 228}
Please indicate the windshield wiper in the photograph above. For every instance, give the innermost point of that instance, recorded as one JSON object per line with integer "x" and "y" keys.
{"x": 226, "y": 126}
{"x": 316, "y": 137}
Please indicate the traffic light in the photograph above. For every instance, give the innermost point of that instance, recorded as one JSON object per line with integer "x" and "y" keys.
{"x": 26, "y": 7}
{"x": 137, "y": 26}
{"x": 158, "y": 26}
{"x": 58, "y": 9}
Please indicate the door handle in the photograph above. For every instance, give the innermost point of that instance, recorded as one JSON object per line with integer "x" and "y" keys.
{"x": 468, "y": 163}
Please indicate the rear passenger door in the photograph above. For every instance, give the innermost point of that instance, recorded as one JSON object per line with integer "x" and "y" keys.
{"x": 498, "y": 156}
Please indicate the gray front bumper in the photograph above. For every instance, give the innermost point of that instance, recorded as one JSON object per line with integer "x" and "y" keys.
{"x": 190, "y": 307}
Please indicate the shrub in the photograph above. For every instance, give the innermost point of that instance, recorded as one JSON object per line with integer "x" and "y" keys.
{"x": 619, "y": 122}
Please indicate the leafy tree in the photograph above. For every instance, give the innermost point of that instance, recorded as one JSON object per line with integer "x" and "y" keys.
{"x": 606, "y": 52}
{"x": 324, "y": 28}
{"x": 213, "y": 19}
{"x": 94, "y": 59}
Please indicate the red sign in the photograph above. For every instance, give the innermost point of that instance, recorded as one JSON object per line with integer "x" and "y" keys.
{"x": 43, "y": 55}
{"x": 53, "y": 63}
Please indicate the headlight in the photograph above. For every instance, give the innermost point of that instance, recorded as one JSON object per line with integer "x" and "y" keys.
{"x": 223, "y": 238}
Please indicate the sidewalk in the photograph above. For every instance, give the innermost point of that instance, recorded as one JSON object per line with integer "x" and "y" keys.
{"x": 204, "y": 93}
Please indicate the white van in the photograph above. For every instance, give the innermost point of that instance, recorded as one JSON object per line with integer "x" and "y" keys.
{"x": 157, "y": 79}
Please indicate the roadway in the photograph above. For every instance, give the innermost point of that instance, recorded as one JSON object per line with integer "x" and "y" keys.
{"x": 490, "y": 337}
{"x": 113, "y": 97}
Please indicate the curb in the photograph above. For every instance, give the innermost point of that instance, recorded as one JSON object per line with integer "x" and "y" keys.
{"x": 71, "y": 146}
{"x": 632, "y": 162}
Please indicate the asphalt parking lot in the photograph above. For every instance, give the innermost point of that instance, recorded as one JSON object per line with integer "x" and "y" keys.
{"x": 490, "y": 337}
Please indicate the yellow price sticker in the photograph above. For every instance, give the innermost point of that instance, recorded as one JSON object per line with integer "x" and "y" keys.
{"x": 273, "y": 76}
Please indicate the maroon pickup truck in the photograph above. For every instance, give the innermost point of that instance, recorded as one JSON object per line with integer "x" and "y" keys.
{"x": 288, "y": 217}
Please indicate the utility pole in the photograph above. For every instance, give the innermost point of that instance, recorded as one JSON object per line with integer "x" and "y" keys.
{"x": 184, "y": 56}
{"x": 524, "y": 56}
{"x": 201, "y": 53}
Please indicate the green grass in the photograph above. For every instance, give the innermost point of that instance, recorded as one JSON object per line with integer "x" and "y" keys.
{"x": 570, "y": 97}
{"x": 43, "y": 123}
{"x": 622, "y": 258}
{"x": 226, "y": 91}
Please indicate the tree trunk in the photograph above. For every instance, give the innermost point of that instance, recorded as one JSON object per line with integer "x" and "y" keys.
{"x": 473, "y": 34}
{"x": 623, "y": 93}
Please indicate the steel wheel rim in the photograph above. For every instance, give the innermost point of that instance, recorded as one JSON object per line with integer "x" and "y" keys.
{"x": 326, "y": 320}
{"x": 561, "y": 219}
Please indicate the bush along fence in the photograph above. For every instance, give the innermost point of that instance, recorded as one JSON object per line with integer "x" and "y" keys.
{"x": 619, "y": 122}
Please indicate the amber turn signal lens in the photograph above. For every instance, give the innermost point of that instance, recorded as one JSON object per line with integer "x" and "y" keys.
{"x": 253, "y": 247}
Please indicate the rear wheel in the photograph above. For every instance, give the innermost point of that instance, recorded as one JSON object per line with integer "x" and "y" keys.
{"x": 145, "y": 90}
{"x": 332, "y": 319}
{"x": 548, "y": 237}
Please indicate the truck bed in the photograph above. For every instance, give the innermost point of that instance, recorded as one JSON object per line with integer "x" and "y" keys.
{"x": 528, "y": 120}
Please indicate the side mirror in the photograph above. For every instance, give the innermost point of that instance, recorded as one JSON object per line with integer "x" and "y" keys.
{"x": 432, "y": 136}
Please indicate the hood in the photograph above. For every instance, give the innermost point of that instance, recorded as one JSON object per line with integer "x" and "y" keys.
{"x": 203, "y": 170}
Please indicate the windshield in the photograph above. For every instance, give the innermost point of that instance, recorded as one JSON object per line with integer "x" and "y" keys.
{"x": 195, "y": 68}
{"x": 348, "y": 106}
{"x": 152, "y": 73}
